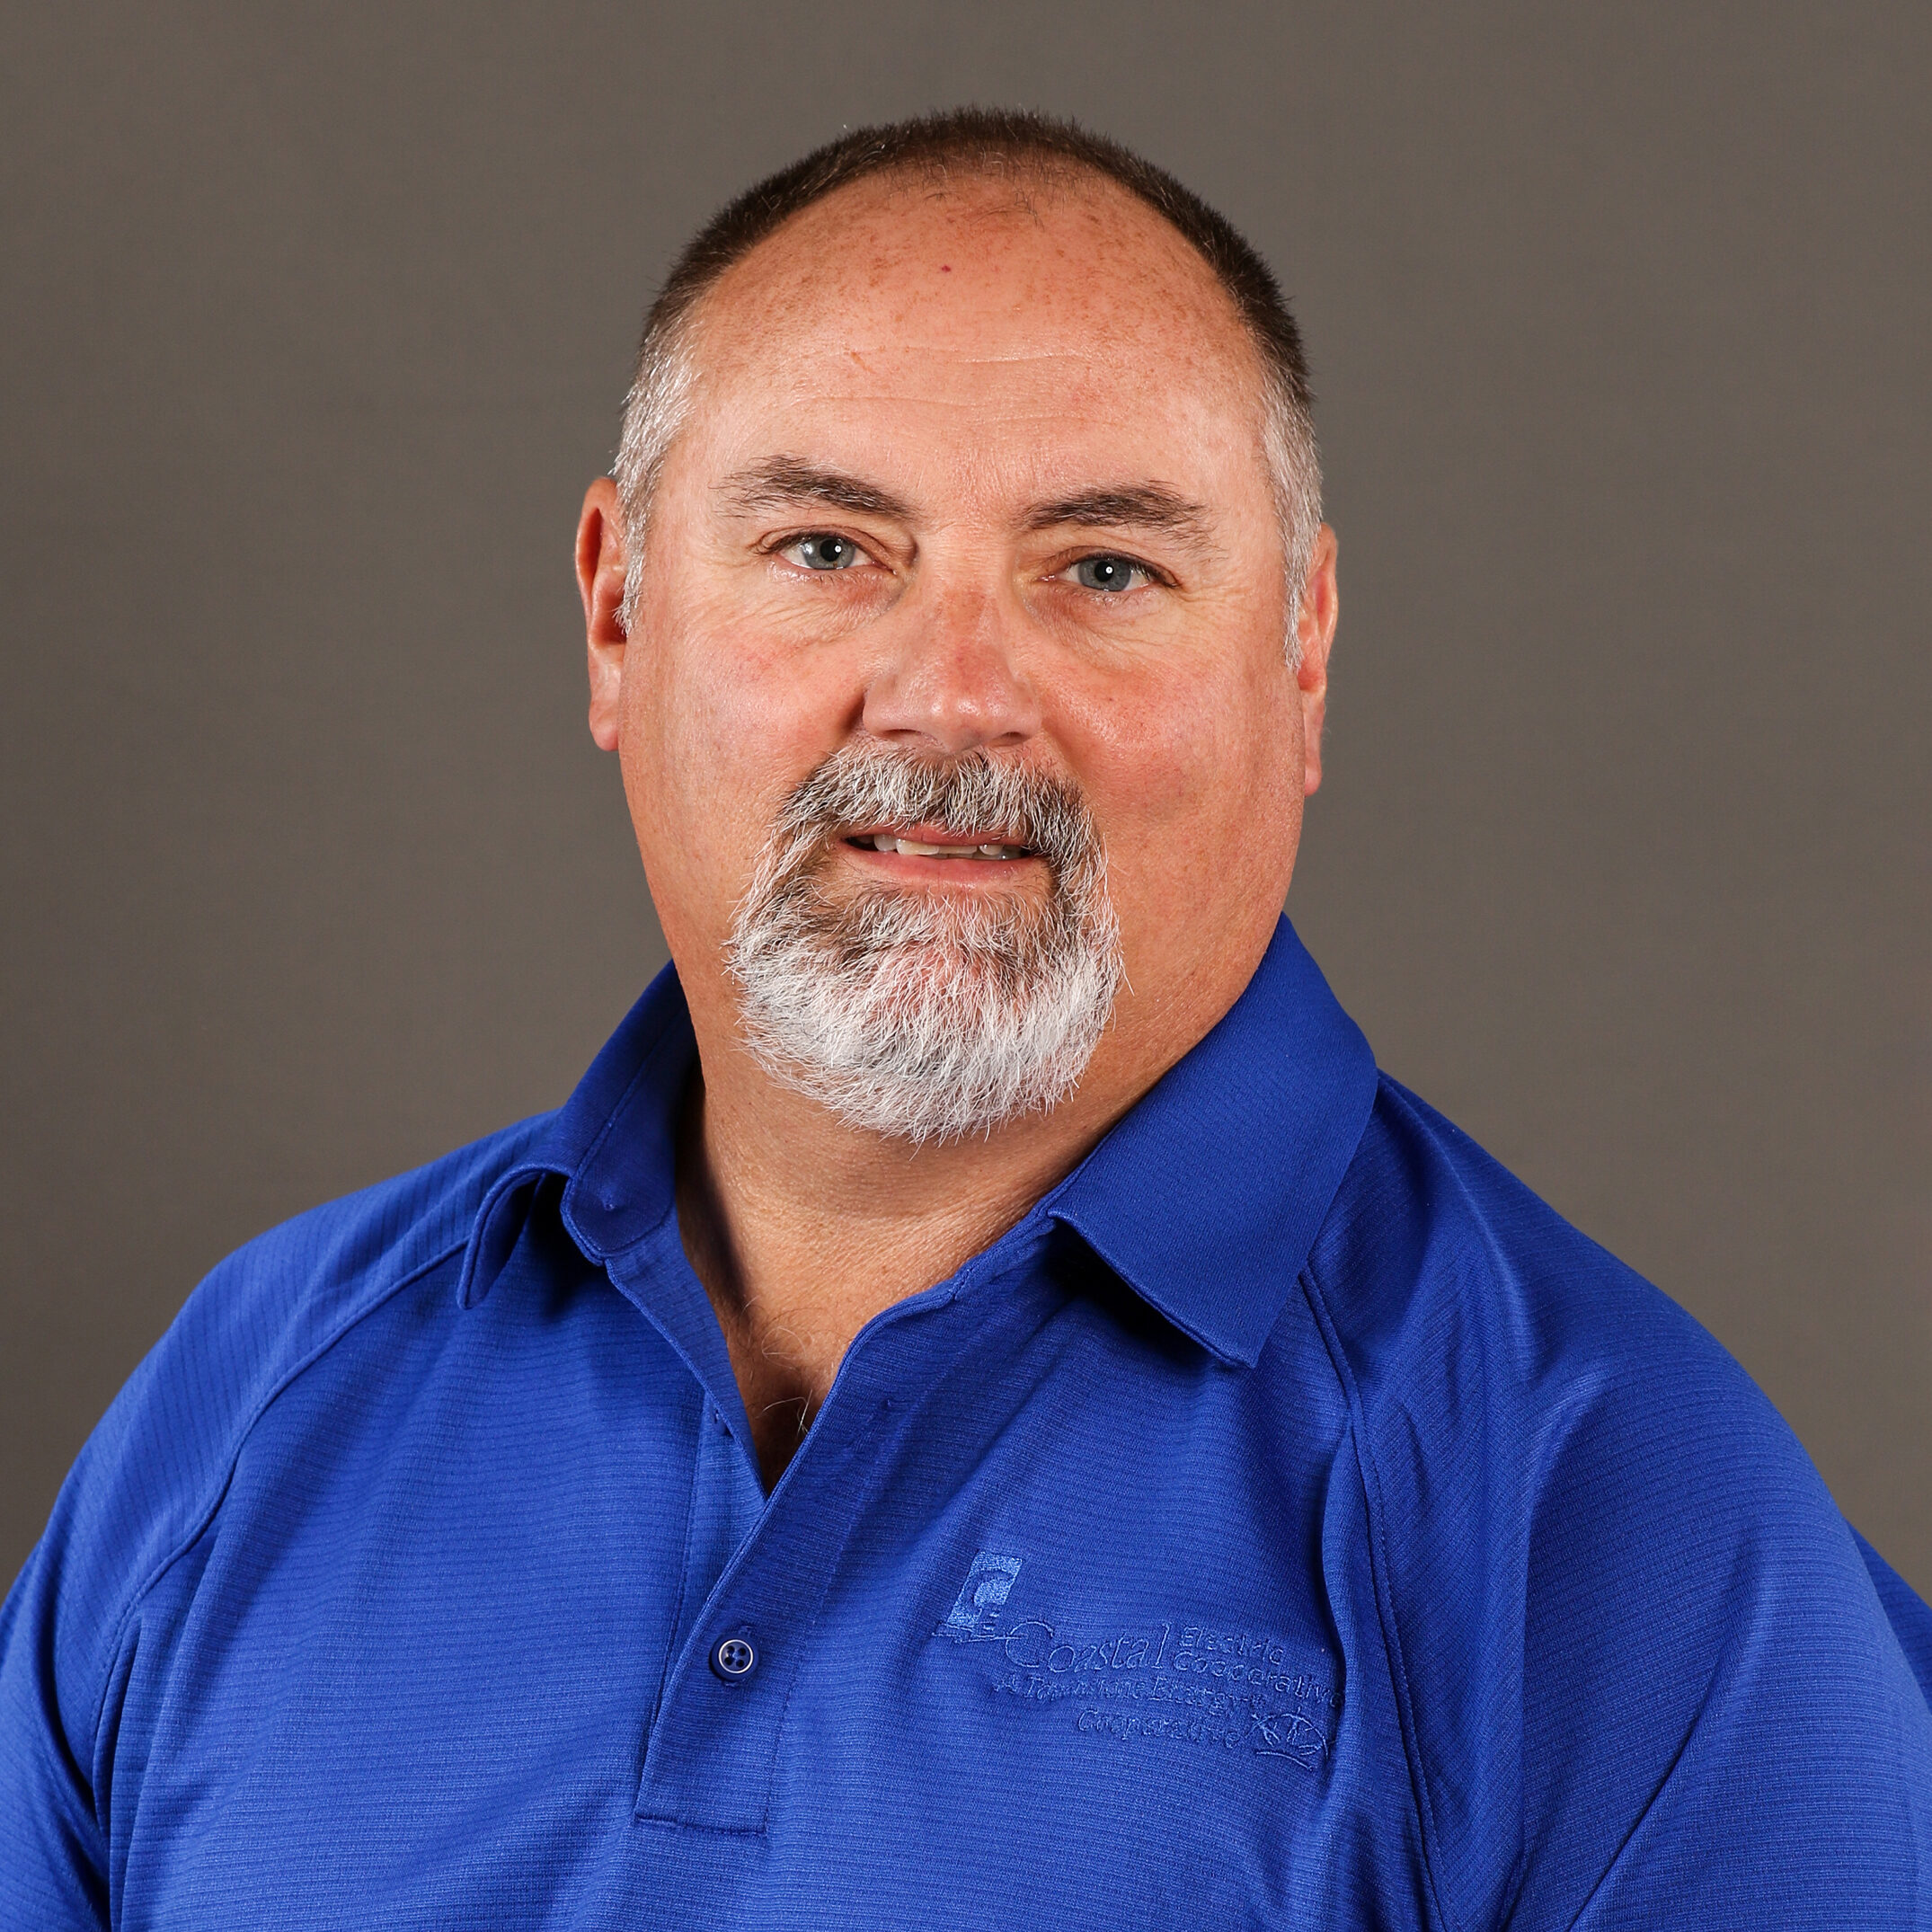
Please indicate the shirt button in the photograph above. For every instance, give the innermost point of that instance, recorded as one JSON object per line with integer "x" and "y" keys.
{"x": 734, "y": 1659}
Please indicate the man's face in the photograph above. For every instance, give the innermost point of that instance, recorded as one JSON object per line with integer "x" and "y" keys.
{"x": 968, "y": 483}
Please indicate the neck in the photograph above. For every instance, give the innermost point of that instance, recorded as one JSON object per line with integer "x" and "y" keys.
{"x": 801, "y": 1229}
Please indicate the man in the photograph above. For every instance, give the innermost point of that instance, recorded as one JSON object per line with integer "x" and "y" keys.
{"x": 983, "y": 1408}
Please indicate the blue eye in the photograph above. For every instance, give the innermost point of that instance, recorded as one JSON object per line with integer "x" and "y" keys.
{"x": 1108, "y": 574}
{"x": 823, "y": 550}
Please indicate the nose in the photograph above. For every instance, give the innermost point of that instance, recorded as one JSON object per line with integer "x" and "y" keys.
{"x": 949, "y": 683}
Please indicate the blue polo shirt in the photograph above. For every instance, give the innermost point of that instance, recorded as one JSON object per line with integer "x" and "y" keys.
{"x": 1291, "y": 1522}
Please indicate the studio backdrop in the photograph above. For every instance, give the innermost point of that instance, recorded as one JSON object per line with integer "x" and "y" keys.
{"x": 317, "y": 324}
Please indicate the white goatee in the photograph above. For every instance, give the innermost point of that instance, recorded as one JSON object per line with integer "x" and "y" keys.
{"x": 923, "y": 1016}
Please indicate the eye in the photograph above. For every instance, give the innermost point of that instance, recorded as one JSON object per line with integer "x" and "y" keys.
{"x": 1109, "y": 573}
{"x": 822, "y": 550}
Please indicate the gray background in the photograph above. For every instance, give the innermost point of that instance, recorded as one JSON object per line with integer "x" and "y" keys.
{"x": 315, "y": 327}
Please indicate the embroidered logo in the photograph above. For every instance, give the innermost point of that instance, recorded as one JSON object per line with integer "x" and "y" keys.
{"x": 989, "y": 1583}
{"x": 1237, "y": 1690}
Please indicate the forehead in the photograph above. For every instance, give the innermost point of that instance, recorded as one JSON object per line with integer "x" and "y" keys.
{"x": 982, "y": 307}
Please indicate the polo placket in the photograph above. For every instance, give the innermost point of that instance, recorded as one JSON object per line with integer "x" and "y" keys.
{"x": 757, "y": 1568}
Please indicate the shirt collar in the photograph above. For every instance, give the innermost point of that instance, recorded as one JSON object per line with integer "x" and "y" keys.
{"x": 1207, "y": 1195}
{"x": 613, "y": 1144}
{"x": 1204, "y": 1198}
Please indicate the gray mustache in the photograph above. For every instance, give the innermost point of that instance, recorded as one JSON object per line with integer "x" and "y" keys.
{"x": 973, "y": 792}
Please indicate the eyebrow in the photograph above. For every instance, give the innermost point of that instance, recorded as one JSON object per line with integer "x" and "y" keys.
{"x": 1141, "y": 506}
{"x": 782, "y": 481}
{"x": 787, "y": 479}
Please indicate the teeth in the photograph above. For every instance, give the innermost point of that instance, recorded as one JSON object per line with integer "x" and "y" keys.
{"x": 892, "y": 842}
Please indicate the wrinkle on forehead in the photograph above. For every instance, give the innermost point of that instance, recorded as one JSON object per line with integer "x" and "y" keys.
{"x": 818, "y": 380}
{"x": 958, "y": 378}
{"x": 1044, "y": 405}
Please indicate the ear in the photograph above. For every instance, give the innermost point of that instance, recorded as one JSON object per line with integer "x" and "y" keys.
{"x": 601, "y": 565}
{"x": 1315, "y": 632}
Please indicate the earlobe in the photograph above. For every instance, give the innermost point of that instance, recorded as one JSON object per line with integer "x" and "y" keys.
{"x": 601, "y": 568}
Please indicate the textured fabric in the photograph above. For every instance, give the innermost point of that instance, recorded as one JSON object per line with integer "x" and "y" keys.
{"x": 1290, "y": 1523}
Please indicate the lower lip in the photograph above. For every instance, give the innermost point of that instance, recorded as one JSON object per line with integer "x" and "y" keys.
{"x": 909, "y": 865}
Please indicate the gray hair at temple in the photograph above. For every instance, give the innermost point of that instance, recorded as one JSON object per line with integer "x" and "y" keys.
{"x": 973, "y": 143}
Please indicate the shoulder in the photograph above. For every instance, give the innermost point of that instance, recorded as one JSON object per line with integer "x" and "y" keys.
{"x": 1524, "y": 1401}
{"x": 152, "y": 1474}
{"x": 1452, "y": 1294}
{"x": 1611, "y": 1584}
{"x": 1498, "y": 1362}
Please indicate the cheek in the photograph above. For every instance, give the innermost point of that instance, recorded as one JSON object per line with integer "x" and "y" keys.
{"x": 717, "y": 732}
{"x": 1197, "y": 778}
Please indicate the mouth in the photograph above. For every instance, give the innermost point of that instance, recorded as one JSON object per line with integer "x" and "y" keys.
{"x": 945, "y": 844}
